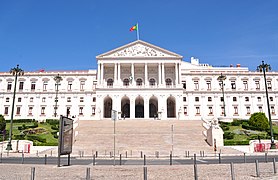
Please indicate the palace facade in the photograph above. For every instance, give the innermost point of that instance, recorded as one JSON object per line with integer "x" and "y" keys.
{"x": 140, "y": 81}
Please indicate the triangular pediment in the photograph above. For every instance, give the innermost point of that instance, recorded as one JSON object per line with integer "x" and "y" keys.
{"x": 139, "y": 49}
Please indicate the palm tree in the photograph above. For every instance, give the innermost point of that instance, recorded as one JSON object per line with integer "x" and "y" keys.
{"x": 15, "y": 72}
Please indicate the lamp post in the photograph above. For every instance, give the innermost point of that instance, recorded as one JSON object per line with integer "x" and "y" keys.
{"x": 15, "y": 72}
{"x": 57, "y": 79}
{"x": 221, "y": 79}
{"x": 265, "y": 68}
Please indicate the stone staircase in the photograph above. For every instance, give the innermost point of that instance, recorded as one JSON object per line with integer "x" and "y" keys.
{"x": 148, "y": 136}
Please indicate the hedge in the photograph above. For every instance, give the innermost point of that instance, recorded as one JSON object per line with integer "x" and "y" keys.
{"x": 233, "y": 143}
{"x": 21, "y": 120}
{"x": 252, "y": 127}
{"x": 36, "y": 138}
{"x": 53, "y": 121}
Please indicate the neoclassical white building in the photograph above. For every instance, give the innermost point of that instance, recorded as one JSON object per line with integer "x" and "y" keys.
{"x": 140, "y": 81}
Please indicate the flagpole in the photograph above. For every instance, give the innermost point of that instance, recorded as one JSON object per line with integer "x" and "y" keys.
{"x": 137, "y": 31}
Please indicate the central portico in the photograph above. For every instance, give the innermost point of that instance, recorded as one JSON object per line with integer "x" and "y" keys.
{"x": 139, "y": 80}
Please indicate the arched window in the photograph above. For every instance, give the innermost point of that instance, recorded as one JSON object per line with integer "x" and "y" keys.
{"x": 139, "y": 82}
{"x": 110, "y": 82}
{"x": 126, "y": 82}
{"x": 152, "y": 82}
{"x": 168, "y": 82}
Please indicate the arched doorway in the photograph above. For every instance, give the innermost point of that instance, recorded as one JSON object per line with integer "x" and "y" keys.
{"x": 107, "y": 107}
{"x": 125, "y": 107}
{"x": 171, "y": 107}
{"x": 139, "y": 107}
{"x": 153, "y": 107}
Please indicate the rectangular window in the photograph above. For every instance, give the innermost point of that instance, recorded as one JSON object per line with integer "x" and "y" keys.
{"x": 94, "y": 99}
{"x": 19, "y": 99}
{"x": 271, "y": 98}
{"x": 260, "y": 109}
{"x": 209, "y": 85}
{"x": 196, "y": 85}
{"x": 81, "y": 99}
{"x": 221, "y": 99}
{"x": 9, "y": 86}
{"x": 184, "y": 84}
{"x": 197, "y": 110}
{"x": 69, "y": 85}
{"x": 197, "y": 99}
{"x": 93, "y": 110}
{"x": 17, "y": 110}
{"x": 184, "y": 99}
{"x": 209, "y": 99}
{"x": 43, "y": 99}
{"x": 247, "y": 99}
{"x": 7, "y": 99}
{"x": 33, "y": 86}
{"x": 245, "y": 84}
{"x": 210, "y": 110}
{"x": 82, "y": 84}
{"x": 68, "y": 99}
{"x": 6, "y": 112}
{"x": 272, "y": 110}
{"x": 269, "y": 87}
{"x": 45, "y": 85}
{"x": 21, "y": 85}
{"x": 234, "y": 99}
{"x": 80, "y": 110}
{"x": 31, "y": 99}
{"x": 233, "y": 85}
{"x": 248, "y": 110}
{"x": 236, "y": 110}
{"x": 43, "y": 110}
{"x": 185, "y": 110}
{"x": 259, "y": 99}
{"x": 222, "y": 110}
{"x": 257, "y": 83}
{"x": 30, "y": 110}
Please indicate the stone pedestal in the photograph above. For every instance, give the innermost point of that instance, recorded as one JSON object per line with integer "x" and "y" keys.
{"x": 215, "y": 136}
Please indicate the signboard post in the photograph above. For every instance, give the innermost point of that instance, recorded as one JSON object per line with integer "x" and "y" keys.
{"x": 65, "y": 138}
{"x": 114, "y": 117}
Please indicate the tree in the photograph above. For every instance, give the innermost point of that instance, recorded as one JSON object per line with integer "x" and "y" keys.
{"x": 2, "y": 123}
{"x": 259, "y": 120}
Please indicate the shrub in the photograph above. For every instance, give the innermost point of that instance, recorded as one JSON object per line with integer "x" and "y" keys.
{"x": 2, "y": 123}
{"x": 259, "y": 120}
{"x": 36, "y": 138}
{"x": 54, "y": 127}
{"x": 236, "y": 122}
{"x": 224, "y": 127}
{"x": 252, "y": 127}
{"x": 228, "y": 135}
{"x": 52, "y": 121}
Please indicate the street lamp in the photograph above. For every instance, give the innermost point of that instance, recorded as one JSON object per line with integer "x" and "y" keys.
{"x": 15, "y": 72}
{"x": 57, "y": 79}
{"x": 265, "y": 68}
{"x": 221, "y": 79}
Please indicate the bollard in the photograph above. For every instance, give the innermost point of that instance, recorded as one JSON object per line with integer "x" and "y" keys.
{"x": 274, "y": 166}
{"x": 232, "y": 171}
{"x": 145, "y": 173}
{"x": 257, "y": 168}
{"x": 88, "y": 174}
{"x": 96, "y": 154}
{"x": 45, "y": 159}
{"x": 185, "y": 152}
{"x": 1, "y": 158}
{"x": 94, "y": 160}
{"x": 141, "y": 154}
{"x": 171, "y": 159}
{"x": 79, "y": 152}
{"x": 266, "y": 158}
{"x": 37, "y": 153}
{"x": 145, "y": 160}
{"x": 22, "y": 158}
{"x": 51, "y": 153}
{"x": 188, "y": 154}
{"x": 126, "y": 154}
{"x": 130, "y": 153}
{"x": 203, "y": 153}
{"x": 33, "y": 173}
{"x": 105, "y": 153}
{"x": 195, "y": 168}
{"x": 200, "y": 153}
{"x": 110, "y": 154}
{"x": 120, "y": 159}
{"x": 219, "y": 157}
{"x": 244, "y": 157}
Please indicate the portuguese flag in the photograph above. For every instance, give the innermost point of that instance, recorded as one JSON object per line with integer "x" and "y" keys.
{"x": 133, "y": 28}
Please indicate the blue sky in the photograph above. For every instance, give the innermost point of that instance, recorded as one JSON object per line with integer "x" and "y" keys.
{"x": 67, "y": 34}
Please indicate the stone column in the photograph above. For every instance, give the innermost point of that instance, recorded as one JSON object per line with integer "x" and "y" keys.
{"x": 115, "y": 74}
{"x": 159, "y": 74}
{"x": 146, "y": 74}
{"x": 119, "y": 74}
{"x": 177, "y": 74}
{"x": 146, "y": 107}
{"x": 98, "y": 73}
{"x": 102, "y": 72}
{"x": 132, "y": 73}
{"x": 163, "y": 75}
